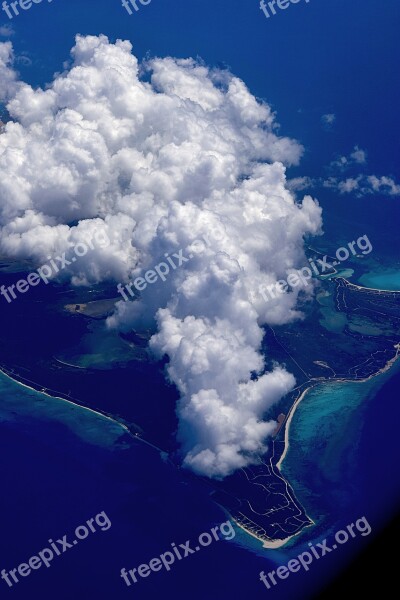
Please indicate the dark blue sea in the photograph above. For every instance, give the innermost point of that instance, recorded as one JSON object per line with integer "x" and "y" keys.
{"x": 62, "y": 465}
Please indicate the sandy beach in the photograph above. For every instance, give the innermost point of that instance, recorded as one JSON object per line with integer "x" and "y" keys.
{"x": 388, "y": 366}
{"x": 267, "y": 544}
{"x": 279, "y": 543}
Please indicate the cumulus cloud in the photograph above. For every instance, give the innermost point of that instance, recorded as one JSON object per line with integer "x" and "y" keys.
{"x": 359, "y": 156}
{"x": 356, "y": 157}
{"x": 364, "y": 185}
{"x": 383, "y": 185}
{"x": 358, "y": 184}
{"x": 160, "y": 157}
{"x": 8, "y": 77}
{"x": 299, "y": 184}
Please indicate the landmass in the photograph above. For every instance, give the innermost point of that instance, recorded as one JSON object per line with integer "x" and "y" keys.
{"x": 351, "y": 333}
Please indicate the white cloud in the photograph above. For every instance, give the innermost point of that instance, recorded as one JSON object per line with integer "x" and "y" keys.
{"x": 349, "y": 185}
{"x": 356, "y": 157}
{"x": 299, "y": 184}
{"x": 359, "y": 156}
{"x": 363, "y": 185}
{"x": 328, "y": 121}
{"x": 6, "y": 30}
{"x": 384, "y": 185}
{"x": 360, "y": 185}
{"x": 8, "y": 78}
{"x": 156, "y": 163}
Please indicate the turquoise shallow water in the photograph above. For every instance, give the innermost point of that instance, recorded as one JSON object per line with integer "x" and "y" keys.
{"x": 343, "y": 462}
{"x": 386, "y": 280}
{"x": 18, "y": 401}
{"x": 344, "y": 441}
{"x": 61, "y": 465}
{"x": 341, "y": 447}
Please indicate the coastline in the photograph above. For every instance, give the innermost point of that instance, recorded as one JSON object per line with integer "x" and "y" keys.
{"x": 81, "y": 406}
{"x": 275, "y": 544}
{"x": 70, "y": 401}
{"x": 288, "y": 423}
{"x": 289, "y": 419}
{"x": 314, "y": 383}
{"x": 268, "y": 544}
{"x": 363, "y": 287}
{"x": 308, "y": 385}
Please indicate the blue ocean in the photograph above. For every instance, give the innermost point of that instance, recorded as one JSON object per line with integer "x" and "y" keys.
{"x": 60, "y": 464}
